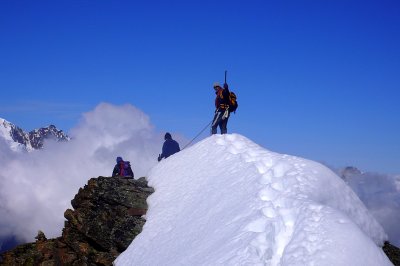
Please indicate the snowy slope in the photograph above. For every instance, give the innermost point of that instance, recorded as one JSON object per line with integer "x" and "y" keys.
{"x": 228, "y": 201}
{"x": 15, "y": 137}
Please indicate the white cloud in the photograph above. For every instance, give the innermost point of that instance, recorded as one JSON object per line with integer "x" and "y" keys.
{"x": 381, "y": 195}
{"x": 38, "y": 187}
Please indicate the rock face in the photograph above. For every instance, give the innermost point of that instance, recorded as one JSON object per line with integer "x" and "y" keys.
{"x": 107, "y": 216}
{"x": 392, "y": 252}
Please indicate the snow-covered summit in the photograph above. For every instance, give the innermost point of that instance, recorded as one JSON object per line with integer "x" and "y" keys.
{"x": 15, "y": 137}
{"x": 19, "y": 140}
{"x": 228, "y": 201}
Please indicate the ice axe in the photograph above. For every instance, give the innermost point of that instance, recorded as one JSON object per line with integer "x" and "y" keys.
{"x": 225, "y": 76}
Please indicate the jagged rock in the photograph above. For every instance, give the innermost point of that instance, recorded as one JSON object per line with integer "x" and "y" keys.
{"x": 348, "y": 172}
{"x": 107, "y": 216}
{"x": 41, "y": 237}
{"x": 393, "y": 253}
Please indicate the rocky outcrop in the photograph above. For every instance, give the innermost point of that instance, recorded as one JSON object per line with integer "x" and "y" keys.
{"x": 348, "y": 172}
{"x": 107, "y": 216}
{"x": 393, "y": 253}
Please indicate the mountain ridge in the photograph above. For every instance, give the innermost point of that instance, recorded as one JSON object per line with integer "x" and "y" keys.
{"x": 20, "y": 140}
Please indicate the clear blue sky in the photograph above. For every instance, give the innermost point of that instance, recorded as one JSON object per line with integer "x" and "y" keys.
{"x": 317, "y": 79}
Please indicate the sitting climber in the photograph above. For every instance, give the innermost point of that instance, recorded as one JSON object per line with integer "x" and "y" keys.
{"x": 170, "y": 147}
{"x": 123, "y": 168}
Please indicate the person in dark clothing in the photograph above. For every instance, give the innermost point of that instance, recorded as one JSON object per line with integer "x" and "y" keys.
{"x": 122, "y": 168}
{"x": 221, "y": 115}
{"x": 170, "y": 147}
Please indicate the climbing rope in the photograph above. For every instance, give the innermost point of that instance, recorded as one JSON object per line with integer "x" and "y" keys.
{"x": 198, "y": 134}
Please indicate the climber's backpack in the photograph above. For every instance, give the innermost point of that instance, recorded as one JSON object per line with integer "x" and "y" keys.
{"x": 125, "y": 169}
{"x": 233, "y": 104}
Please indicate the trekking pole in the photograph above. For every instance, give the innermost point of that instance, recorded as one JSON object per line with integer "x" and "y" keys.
{"x": 197, "y": 135}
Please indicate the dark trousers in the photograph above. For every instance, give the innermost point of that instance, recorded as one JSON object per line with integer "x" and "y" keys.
{"x": 218, "y": 121}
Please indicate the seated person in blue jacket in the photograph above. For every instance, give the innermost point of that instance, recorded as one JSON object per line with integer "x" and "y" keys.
{"x": 122, "y": 168}
{"x": 170, "y": 147}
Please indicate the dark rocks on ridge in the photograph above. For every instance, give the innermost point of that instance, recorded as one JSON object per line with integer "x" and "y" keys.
{"x": 107, "y": 216}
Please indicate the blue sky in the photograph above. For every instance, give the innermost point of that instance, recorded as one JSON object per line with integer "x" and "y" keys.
{"x": 317, "y": 79}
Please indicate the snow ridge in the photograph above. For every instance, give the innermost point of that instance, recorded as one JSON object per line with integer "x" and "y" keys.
{"x": 228, "y": 201}
{"x": 287, "y": 195}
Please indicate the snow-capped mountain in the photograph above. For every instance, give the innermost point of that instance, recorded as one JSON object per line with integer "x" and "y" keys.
{"x": 37, "y": 136}
{"x": 14, "y": 136}
{"x": 19, "y": 140}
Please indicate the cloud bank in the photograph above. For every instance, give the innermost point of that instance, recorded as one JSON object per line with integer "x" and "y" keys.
{"x": 381, "y": 195}
{"x": 38, "y": 187}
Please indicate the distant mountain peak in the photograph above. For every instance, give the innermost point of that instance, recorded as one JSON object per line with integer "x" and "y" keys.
{"x": 38, "y": 136}
{"x": 348, "y": 172}
{"x": 19, "y": 140}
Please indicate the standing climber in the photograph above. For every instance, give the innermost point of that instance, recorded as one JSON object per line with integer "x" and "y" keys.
{"x": 221, "y": 115}
{"x": 170, "y": 147}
